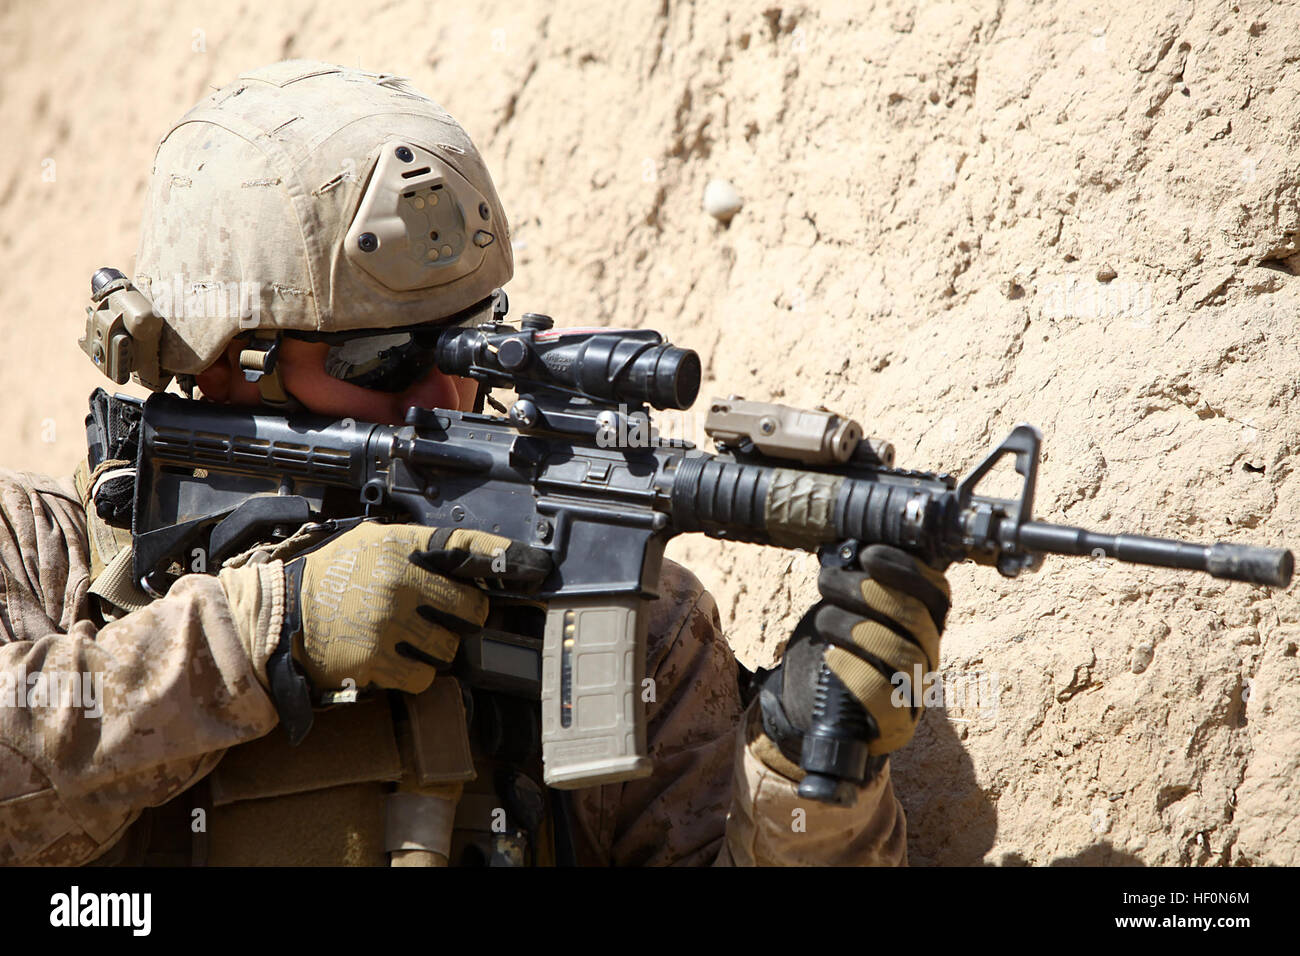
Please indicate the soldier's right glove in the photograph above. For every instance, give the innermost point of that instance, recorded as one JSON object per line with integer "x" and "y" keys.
{"x": 381, "y": 605}
{"x": 872, "y": 625}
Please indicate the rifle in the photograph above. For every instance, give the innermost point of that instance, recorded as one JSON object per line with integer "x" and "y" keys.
{"x": 573, "y": 467}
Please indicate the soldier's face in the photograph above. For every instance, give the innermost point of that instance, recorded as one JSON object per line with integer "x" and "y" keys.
{"x": 303, "y": 372}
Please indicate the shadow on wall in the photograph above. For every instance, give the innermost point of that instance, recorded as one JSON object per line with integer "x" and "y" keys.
{"x": 951, "y": 820}
{"x": 1099, "y": 854}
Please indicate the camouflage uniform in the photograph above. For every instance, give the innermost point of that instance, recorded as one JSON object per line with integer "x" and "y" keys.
{"x": 179, "y": 695}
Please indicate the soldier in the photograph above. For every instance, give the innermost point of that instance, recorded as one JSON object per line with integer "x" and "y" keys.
{"x": 341, "y": 206}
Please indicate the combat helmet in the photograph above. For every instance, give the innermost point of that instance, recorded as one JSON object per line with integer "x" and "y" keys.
{"x": 309, "y": 200}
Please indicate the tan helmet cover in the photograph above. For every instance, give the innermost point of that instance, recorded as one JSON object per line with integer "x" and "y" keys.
{"x": 316, "y": 198}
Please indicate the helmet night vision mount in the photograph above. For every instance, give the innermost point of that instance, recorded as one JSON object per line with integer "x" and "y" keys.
{"x": 122, "y": 331}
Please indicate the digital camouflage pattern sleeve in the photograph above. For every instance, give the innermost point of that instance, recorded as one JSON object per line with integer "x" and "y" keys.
{"x": 96, "y": 725}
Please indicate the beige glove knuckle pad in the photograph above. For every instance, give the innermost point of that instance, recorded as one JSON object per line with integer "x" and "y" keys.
{"x": 908, "y": 612}
{"x": 874, "y": 690}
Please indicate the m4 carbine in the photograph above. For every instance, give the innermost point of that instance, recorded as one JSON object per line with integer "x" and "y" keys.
{"x": 573, "y": 467}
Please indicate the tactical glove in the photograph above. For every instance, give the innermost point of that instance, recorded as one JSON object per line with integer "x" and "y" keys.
{"x": 872, "y": 630}
{"x": 378, "y": 606}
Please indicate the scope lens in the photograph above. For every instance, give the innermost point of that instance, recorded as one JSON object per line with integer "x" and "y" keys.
{"x": 675, "y": 382}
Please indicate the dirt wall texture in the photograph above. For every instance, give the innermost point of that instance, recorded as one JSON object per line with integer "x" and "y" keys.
{"x": 956, "y": 217}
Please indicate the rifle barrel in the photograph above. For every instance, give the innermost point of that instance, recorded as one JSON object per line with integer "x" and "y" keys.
{"x": 1235, "y": 562}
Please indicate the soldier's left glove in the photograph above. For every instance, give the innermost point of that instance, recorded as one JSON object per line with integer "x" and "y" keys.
{"x": 875, "y": 628}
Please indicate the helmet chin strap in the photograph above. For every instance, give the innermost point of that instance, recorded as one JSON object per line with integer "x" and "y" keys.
{"x": 260, "y": 364}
